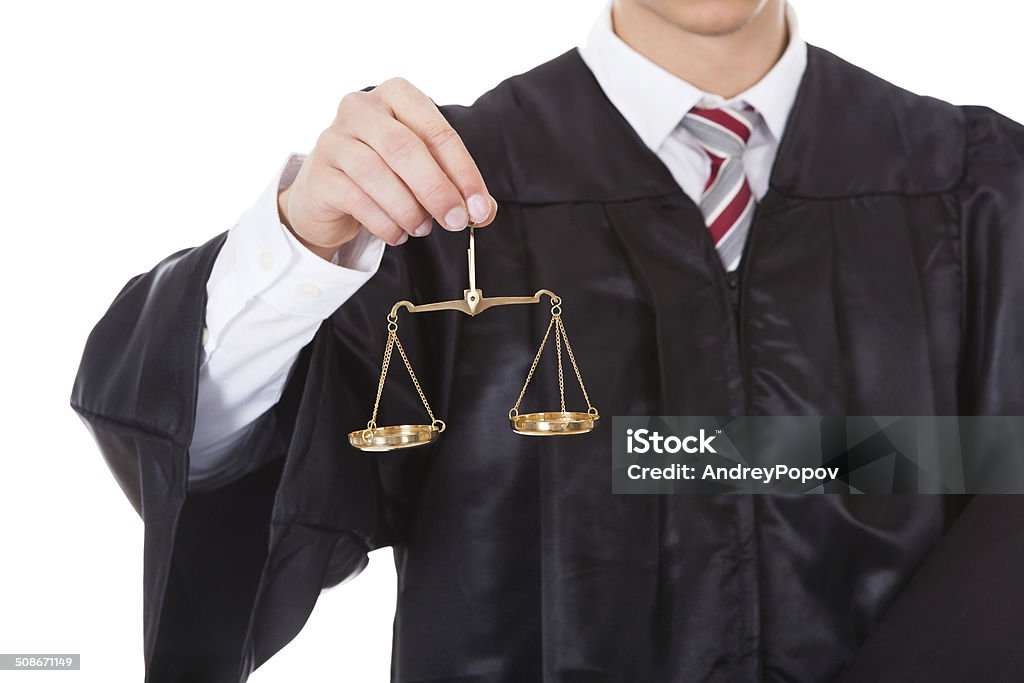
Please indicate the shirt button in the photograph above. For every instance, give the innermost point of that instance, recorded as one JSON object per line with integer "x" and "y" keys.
{"x": 266, "y": 260}
{"x": 309, "y": 290}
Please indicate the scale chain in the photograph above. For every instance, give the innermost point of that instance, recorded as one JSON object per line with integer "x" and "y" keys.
{"x": 572, "y": 359}
{"x": 392, "y": 336}
{"x": 394, "y": 341}
{"x": 558, "y": 351}
{"x": 533, "y": 366}
{"x": 416, "y": 382}
{"x": 560, "y": 336}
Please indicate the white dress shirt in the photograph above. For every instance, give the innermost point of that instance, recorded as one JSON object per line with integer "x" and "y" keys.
{"x": 267, "y": 294}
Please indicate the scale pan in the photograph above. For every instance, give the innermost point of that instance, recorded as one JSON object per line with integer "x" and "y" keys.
{"x": 553, "y": 424}
{"x": 393, "y": 437}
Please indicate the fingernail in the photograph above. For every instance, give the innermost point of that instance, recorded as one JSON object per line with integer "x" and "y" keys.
{"x": 423, "y": 228}
{"x": 456, "y": 219}
{"x": 403, "y": 239}
{"x": 479, "y": 208}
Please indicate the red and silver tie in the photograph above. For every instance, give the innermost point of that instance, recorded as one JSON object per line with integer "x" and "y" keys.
{"x": 727, "y": 201}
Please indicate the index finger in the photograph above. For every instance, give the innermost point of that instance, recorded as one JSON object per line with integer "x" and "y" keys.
{"x": 418, "y": 113}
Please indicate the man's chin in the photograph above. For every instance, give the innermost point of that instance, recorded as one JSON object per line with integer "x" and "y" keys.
{"x": 708, "y": 17}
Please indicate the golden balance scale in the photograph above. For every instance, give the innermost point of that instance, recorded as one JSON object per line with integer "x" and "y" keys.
{"x": 473, "y": 302}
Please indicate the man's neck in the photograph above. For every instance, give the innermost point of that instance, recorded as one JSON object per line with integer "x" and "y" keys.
{"x": 724, "y": 64}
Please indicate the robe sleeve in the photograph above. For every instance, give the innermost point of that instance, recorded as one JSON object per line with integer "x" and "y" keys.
{"x": 961, "y": 617}
{"x": 231, "y": 574}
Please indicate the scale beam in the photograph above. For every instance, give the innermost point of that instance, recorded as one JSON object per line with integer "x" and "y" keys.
{"x": 472, "y": 303}
{"x": 473, "y": 300}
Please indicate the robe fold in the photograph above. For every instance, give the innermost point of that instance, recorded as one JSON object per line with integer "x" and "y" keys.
{"x": 882, "y": 276}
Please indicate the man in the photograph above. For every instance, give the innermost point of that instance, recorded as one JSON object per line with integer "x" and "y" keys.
{"x": 737, "y": 223}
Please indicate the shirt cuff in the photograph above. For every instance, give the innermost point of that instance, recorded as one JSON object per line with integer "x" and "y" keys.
{"x": 273, "y": 265}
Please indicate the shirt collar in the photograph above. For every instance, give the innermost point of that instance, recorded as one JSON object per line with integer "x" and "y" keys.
{"x": 654, "y": 101}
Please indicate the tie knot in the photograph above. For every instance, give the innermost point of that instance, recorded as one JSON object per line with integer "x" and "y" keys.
{"x": 722, "y": 132}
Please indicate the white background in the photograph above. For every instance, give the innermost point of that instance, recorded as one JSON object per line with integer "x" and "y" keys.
{"x": 133, "y": 129}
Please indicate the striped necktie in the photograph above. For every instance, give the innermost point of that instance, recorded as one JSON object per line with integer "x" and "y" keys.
{"x": 727, "y": 201}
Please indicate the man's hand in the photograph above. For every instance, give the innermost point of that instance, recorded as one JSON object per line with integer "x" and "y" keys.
{"x": 389, "y": 163}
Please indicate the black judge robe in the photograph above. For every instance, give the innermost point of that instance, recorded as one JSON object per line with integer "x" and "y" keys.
{"x": 882, "y": 277}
